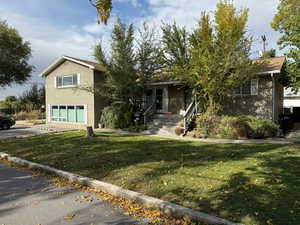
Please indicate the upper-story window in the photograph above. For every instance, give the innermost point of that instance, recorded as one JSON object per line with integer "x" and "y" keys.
{"x": 248, "y": 88}
{"x": 67, "y": 81}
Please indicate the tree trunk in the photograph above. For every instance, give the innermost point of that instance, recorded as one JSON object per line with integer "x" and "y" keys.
{"x": 90, "y": 132}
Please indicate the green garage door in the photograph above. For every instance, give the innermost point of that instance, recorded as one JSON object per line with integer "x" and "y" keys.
{"x": 68, "y": 114}
{"x": 71, "y": 114}
{"x": 55, "y": 113}
{"x": 80, "y": 114}
{"x": 63, "y": 114}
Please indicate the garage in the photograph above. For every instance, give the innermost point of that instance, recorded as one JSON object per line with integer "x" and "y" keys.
{"x": 296, "y": 114}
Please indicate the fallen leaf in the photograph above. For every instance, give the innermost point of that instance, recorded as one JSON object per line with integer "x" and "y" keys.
{"x": 69, "y": 217}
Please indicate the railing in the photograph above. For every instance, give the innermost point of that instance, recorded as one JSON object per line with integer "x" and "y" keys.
{"x": 149, "y": 112}
{"x": 190, "y": 115}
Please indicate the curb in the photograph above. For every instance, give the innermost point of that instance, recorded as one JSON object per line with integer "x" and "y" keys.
{"x": 166, "y": 207}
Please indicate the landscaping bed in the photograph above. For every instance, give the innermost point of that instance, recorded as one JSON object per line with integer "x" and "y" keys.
{"x": 248, "y": 183}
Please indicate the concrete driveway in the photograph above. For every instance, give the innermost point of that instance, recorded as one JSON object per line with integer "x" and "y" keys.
{"x": 27, "y": 200}
{"x": 20, "y": 130}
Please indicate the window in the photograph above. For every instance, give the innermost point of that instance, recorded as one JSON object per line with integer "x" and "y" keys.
{"x": 248, "y": 88}
{"x": 67, "y": 81}
{"x": 67, "y": 114}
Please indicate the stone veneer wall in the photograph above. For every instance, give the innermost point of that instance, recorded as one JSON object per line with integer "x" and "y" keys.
{"x": 260, "y": 105}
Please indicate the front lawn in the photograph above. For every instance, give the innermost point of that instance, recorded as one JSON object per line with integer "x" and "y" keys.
{"x": 248, "y": 183}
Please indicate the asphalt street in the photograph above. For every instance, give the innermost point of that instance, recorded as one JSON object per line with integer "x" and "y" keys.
{"x": 29, "y": 200}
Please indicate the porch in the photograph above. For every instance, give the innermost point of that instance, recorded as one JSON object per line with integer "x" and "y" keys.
{"x": 167, "y": 98}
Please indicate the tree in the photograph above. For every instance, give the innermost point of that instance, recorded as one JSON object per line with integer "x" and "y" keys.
{"x": 269, "y": 53}
{"x": 14, "y": 56}
{"x": 121, "y": 73}
{"x": 287, "y": 22}
{"x": 10, "y": 103}
{"x": 217, "y": 59}
{"x": 104, "y": 8}
{"x": 33, "y": 98}
{"x": 149, "y": 54}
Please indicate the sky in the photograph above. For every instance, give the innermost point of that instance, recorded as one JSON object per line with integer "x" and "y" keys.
{"x": 67, "y": 27}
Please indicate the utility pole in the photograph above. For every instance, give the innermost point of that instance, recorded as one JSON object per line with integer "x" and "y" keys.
{"x": 264, "y": 39}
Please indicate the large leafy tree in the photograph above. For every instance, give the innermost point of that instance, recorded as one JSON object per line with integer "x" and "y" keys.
{"x": 14, "y": 56}
{"x": 287, "y": 22}
{"x": 218, "y": 56}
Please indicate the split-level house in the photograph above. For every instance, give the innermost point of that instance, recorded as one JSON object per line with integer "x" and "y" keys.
{"x": 68, "y": 104}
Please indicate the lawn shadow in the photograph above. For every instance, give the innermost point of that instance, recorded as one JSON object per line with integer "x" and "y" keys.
{"x": 238, "y": 198}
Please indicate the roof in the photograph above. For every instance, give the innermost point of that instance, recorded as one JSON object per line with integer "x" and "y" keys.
{"x": 273, "y": 65}
{"x": 62, "y": 59}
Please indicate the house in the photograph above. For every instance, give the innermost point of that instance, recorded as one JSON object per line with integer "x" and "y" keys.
{"x": 291, "y": 103}
{"x": 262, "y": 96}
{"x": 69, "y": 105}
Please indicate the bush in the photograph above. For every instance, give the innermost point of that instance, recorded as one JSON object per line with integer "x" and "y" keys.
{"x": 234, "y": 127}
{"x": 32, "y": 115}
{"x": 262, "y": 128}
{"x": 136, "y": 128}
{"x": 116, "y": 116}
{"x": 207, "y": 124}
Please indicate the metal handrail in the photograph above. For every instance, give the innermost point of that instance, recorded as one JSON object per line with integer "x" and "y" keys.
{"x": 190, "y": 115}
{"x": 148, "y": 111}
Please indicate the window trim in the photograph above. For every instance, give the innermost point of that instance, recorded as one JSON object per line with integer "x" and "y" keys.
{"x": 252, "y": 93}
{"x": 67, "y": 105}
{"x": 67, "y": 86}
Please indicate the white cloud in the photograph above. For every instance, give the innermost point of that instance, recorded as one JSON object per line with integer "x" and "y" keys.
{"x": 187, "y": 12}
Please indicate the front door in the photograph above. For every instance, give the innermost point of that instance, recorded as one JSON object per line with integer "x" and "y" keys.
{"x": 161, "y": 100}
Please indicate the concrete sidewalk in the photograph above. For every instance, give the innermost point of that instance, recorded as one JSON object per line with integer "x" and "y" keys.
{"x": 208, "y": 140}
{"x": 27, "y": 200}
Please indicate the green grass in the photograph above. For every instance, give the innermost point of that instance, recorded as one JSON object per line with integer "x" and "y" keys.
{"x": 248, "y": 183}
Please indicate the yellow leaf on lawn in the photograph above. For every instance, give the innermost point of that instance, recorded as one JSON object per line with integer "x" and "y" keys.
{"x": 69, "y": 217}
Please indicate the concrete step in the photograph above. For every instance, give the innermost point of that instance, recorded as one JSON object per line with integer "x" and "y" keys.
{"x": 163, "y": 124}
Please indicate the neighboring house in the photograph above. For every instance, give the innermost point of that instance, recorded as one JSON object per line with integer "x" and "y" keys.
{"x": 67, "y": 104}
{"x": 292, "y": 103}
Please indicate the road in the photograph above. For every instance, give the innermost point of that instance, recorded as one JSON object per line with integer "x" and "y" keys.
{"x": 28, "y": 200}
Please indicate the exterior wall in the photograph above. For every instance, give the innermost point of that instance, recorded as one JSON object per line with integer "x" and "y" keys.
{"x": 260, "y": 105}
{"x": 71, "y": 96}
{"x": 100, "y": 102}
{"x": 176, "y": 99}
{"x": 279, "y": 93}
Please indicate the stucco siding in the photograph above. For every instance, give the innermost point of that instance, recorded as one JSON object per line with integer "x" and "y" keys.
{"x": 260, "y": 105}
{"x": 71, "y": 96}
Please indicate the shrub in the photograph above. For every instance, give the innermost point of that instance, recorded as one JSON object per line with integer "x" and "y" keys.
{"x": 32, "y": 115}
{"x": 234, "y": 127}
{"x": 262, "y": 128}
{"x": 116, "y": 116}
{"x": 207, "y": 123}
{"x": 136, "y": 128}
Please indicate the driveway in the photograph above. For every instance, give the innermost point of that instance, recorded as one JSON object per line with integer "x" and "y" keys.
{"x": 23, "y": 131}
{"x": 20, "y": 130}
{"x": 27, "y": 200}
